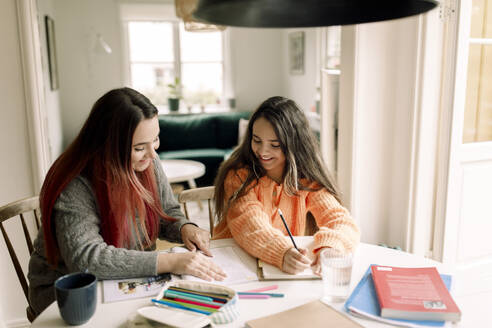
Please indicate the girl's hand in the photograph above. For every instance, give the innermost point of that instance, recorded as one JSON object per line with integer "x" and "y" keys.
{"x": 316, "y": 265}
{"x": 194, "y": 237}
{"x": 193, "y": 263}
{"x": 295, "y": 261}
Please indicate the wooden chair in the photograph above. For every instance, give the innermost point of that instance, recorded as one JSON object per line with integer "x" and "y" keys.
{"x": 10, "y": 211}
{"x": 199, "y": 194}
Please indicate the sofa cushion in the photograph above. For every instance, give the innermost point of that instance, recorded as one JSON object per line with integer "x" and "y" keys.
{"x": 242, "y": 129}
{"x": 187, "y": 132}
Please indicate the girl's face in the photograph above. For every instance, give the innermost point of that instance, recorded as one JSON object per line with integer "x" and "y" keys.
{"x": 144, "y": 143}
{"x": 266, "y": 147}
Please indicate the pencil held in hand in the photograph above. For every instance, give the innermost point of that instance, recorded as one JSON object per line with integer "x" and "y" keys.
{"x": 287, "y": 228}
{"x": 295, "y": 261}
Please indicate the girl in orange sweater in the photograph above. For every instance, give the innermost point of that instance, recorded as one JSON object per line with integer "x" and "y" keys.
{"x": 278, "y": 166}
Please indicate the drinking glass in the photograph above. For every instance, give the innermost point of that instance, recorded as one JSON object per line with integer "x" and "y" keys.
{"x": 336, "y": 270}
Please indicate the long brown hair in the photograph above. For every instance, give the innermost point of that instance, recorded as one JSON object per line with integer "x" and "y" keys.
{"x": 102, "y": 154}
{"x": 300, "y": 147}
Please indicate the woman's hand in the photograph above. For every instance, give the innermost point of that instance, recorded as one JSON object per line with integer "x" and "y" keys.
{"x": 295, "y": 261}
{"x": 192, "y": 263}
{"x": 194, "y": 237}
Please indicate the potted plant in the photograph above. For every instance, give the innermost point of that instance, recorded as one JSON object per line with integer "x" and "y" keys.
{"x": 174, "y": 94}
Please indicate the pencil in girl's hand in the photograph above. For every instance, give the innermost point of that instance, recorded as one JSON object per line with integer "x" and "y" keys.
{"x": 287, "y": 228}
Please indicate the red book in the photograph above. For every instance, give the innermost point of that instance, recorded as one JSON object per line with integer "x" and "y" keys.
{"x": 413, "y": 294}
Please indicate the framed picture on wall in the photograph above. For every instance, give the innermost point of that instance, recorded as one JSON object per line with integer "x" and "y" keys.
{"x": 51, "y": 46}
{"x": 296, "y": 52}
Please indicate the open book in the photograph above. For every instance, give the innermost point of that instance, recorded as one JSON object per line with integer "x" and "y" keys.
{"x": 241, "y": 267}
{"x": 269, "y": 272}
{"x": 226, "y": 254}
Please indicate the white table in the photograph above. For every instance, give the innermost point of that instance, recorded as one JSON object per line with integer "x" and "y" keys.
{"x": 180, "y": 170}
{"x": 296, "y": 293}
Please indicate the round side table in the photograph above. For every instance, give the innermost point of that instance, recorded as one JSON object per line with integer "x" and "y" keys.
{"x": 181, "y": 170}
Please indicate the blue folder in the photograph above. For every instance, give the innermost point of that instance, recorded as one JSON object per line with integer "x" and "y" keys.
{"x": 365, "y": 300}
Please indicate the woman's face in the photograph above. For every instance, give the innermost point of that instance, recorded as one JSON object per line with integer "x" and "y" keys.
{"x": 144, "y": 143}
{"x": 266, "y": 147}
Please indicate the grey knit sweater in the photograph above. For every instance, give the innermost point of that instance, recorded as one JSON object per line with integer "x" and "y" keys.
{"x": 77, "y": 224}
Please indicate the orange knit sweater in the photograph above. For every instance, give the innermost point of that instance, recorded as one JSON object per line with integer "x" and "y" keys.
{"x": 254, "y": 223}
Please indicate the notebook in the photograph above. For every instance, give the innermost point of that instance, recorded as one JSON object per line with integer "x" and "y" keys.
{"x": 313, "y": 314}
{"x": 226, "y": 252}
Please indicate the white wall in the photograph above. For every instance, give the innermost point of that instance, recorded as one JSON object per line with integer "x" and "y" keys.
{"x": 257, "y": 65}
{"x": 85, "y": 75}
{"x": 15, "y": 169}
{"x": 300, "y": 88}
{"x": 52, "y": 97}
{"x": 385, "y": 64}
{"x": 405, "y": 40}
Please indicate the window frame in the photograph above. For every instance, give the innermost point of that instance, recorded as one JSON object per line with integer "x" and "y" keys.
{"x": 177, "y": 63}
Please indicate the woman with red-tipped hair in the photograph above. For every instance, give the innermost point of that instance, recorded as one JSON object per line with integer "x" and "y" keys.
{"x": 106, "y": 200}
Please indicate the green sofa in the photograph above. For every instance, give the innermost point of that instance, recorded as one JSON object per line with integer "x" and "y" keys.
{"x": 206, "y": 138}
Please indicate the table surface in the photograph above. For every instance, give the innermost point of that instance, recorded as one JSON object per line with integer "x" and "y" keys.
{"x": 296, "y": 293}
{"x": 179, "y": 170}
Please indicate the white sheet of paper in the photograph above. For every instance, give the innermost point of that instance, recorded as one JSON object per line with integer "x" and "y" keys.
{"x": 226, "y": 258}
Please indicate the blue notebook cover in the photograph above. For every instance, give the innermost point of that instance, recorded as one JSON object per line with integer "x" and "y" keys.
{"x": 364, "y": 302}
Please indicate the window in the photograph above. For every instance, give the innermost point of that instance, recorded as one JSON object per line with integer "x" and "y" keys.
{"x": 333, "y": 47}
{"x": 478, "y": 110}
{"x": 159, "y": 51}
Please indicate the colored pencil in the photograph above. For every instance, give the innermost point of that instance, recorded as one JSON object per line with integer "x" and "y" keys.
{"x": 223, "y": 298}
{"x": 262, "y": 289}
{"x": 190, "y": 297}
{"x": 254, "y": 296}
{"x": 213, "y": 306}
{"x": 187, "y": 296}
{"x": 177, "y": 306}
{"x": 191, "y": 306}
{"x": 210, "y": 294}
{"x": 269, "y": 294}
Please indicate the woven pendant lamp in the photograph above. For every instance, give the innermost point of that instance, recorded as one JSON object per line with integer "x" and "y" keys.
{"x": 306, "y": 13}
{"x": 184, "y": 10}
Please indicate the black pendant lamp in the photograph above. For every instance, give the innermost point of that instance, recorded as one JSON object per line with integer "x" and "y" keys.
{"x": 306, "y": 13}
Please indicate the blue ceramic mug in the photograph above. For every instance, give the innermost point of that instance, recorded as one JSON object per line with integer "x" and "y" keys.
{"x": 76, "y": 295}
